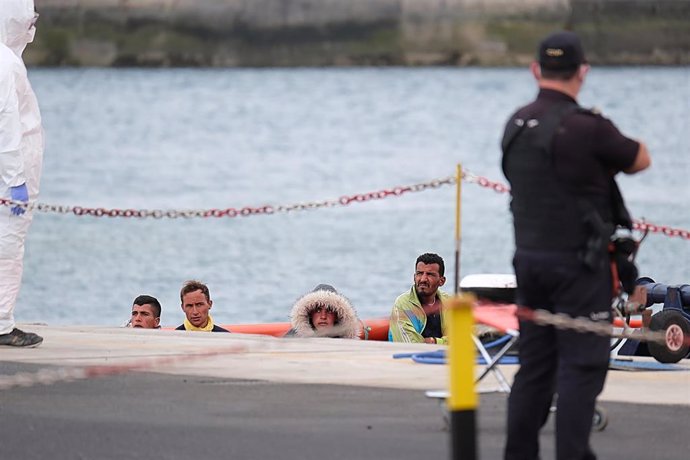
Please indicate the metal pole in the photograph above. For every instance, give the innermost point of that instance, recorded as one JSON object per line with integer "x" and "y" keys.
{"x": 463, "y": 398}
{"x": 458, "y": 196}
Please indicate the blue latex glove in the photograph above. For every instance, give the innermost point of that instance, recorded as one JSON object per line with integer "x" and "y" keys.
{"x": 19, "y": 193}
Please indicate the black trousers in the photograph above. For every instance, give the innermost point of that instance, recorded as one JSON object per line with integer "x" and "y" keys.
{"x": 564, "y": 362}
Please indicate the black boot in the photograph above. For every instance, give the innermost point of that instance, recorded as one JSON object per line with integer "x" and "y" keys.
{"x": 19, "y": 338}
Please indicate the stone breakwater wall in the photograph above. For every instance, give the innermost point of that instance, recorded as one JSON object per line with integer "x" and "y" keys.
{"x": 235, "y": 33}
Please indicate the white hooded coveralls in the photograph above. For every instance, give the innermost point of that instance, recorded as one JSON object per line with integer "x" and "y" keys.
{"x": 21, "y": 147}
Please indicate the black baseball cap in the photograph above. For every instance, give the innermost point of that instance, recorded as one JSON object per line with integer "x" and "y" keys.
{"x": 561, "y": 51}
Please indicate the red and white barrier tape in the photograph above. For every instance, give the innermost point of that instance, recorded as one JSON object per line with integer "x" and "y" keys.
{"x": 51, "y": 376}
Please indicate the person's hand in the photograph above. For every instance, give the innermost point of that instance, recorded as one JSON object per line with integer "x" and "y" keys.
{"x": 429, "y": 340}
{"x": 19, "y": 193}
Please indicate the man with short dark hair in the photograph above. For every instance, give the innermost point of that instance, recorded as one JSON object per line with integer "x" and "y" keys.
{"x": 146, "y": 313}
{"x": 560, "y": 160}
{"x": 417, "y": 315}
{"x": 196, "y": 302}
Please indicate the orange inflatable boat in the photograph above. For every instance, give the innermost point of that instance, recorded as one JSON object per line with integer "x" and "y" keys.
{"x": 372, "y": 329}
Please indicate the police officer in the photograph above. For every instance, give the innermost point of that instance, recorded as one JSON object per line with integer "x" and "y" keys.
{"x": 560, "y": 160}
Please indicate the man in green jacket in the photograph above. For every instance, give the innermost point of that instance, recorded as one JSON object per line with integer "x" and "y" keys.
{"x": 417, "y": 315}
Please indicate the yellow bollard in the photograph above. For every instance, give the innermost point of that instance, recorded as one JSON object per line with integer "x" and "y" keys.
{"x": 462, "y": 403}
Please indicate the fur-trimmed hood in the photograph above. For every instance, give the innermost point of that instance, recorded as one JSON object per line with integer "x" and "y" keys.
{"x": 347, "y": 325}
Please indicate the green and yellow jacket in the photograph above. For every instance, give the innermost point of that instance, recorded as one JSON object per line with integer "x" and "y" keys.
{"x": 408, "y": 319}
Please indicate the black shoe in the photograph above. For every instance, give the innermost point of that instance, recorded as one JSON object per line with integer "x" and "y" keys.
{"x": 18, "y": 338}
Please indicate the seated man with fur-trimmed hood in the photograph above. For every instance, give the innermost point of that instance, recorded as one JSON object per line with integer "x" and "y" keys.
{"x": 324, "y": 313}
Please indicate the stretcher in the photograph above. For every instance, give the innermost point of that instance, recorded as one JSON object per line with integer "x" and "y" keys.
{"x": 500, "y": 317}
{"x": 503, "y": 319}
{"x": 496, "y": 309}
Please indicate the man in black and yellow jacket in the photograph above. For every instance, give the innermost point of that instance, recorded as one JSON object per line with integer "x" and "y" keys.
{"x": 196, "y": 304}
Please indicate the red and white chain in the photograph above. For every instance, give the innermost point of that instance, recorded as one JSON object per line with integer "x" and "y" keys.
{"x": 344, "y": 200}
{"x": 232, "y": 212}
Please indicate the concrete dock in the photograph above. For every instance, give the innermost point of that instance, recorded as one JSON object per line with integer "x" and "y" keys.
{"x": 178, "y": 395}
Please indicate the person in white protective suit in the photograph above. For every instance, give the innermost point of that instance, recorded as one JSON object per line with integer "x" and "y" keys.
{"x": 21, "y": 156}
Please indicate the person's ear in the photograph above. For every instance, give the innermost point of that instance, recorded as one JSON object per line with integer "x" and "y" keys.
{"x": 210, "y": 303}
{"x": 441, "y": 281}
{"x": 536, "y": 70}
{"x": 158, "y": 322}
{"x": 582, "y": 71}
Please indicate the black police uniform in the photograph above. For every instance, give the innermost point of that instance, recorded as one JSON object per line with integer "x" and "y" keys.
{"x": 559, "y": 160}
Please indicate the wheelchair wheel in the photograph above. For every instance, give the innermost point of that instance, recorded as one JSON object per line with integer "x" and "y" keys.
{"x": 600, "y": 419}
{"x": 676, "y": 330}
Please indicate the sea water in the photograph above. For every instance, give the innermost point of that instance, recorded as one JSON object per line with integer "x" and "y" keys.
{"x": 200, "y": 139}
